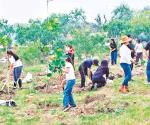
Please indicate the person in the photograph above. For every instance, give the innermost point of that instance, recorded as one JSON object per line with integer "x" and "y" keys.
{"x": 70, "y": 53}
{"x": 15, "y": 68}
{"x": 70, "y": 82}
{"x": 139, "y": 51}
{"x": 85, "y": 70}
{"x": 147, "y": 53}
{"x": 100, "y": 75}
{"x": 113, "y": 49}
{"x": 131, "y": 47}
{"x": 125, "y": 62}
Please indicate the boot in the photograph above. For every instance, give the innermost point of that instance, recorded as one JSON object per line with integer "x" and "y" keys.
{"x": 123, "y": 89}
{"x": 127, "y": 88}
{"x": 20, "y": 83}
{"x": 14, "y": 87}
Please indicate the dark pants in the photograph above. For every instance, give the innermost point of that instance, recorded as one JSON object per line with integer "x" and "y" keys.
{"x": 114, "y": 57}
{"x": 127, "y": 73}
{"x": 139, "y": 56}
{"x": 83, "y": 74}
{"x": 131, "y": 66}
{"x": 68, "y": 98}
{"x": 17, "y": 73}
{"x": 148, "y": 70}
{"x": 98, "y": 82}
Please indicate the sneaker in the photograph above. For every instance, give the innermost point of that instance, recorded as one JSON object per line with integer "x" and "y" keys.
{"x": 66, "y": 109}
{"x": 73, "y": 108}
{"x": 14, "y": 87}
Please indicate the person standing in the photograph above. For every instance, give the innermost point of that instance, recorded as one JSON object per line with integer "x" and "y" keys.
{"x": 15, "y": 68}
{"x": 85, "y": 70}
{"x": 68, "y": 101}
{"x": 131, "y": 47}
{"x": 139, "y": 51}
{"x": 147, "y": 48}
{"x": 113, "y": 49}
{"x": 70, "y": 52}
{"x": 125, "y": 62}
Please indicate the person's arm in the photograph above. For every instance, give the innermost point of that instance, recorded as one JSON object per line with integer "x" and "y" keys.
{"x": 107, "y": 73}
{"x": 146, "y": 54}
{"x": 146, "y": 50}
{"x": 89, "y": 74}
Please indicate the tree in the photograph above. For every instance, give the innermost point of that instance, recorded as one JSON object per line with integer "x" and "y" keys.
{"x": 122, "y": 12}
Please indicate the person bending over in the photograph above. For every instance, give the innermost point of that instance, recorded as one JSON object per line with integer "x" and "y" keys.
{"x": 100, "y": 75}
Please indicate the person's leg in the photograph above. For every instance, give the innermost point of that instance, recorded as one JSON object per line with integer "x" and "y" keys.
{"x": 127, "y": 73}
{"x": 131, "y": 66}
{"x": 68, "y": 99}
{"x": 71, "y": 100}
{"x": 18, "y": 74}
{"x": 82, "y": 74}
{"x": 101, "y": 82}
{"x": 148, "y": 71}
{"x": 141, "y": 57}
{"x": 137, "y": 57}
{"x": 112, "y": 58}
{"x": 15, "y": 77}
{"x": 115, "y": 57}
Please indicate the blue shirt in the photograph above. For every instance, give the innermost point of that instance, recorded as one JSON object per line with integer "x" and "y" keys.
{"x": 87, "y": 63}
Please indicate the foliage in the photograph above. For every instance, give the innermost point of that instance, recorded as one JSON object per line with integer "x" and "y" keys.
{"x": 141, "y": 25}
{"x": 31, "y": 52}
{"x": 122, "y": 12}
{"x": 5, "y": 40}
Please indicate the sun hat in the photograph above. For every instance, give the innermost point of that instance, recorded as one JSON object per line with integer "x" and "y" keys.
{"x": 125, "y": 39}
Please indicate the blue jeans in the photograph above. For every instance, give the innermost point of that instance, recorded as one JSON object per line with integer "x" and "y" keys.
{"x": 114, "y": 57}
{"x": 148, "y": 70}
{"x": 68, "y": 98}
{"x": 17, "y": 73}
{"x": 127, "y": 73}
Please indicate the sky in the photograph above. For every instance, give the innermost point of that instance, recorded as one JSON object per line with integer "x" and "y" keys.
{"x": 20, "y": 11}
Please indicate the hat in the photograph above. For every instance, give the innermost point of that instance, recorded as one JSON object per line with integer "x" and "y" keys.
{"x": 125, "y": 39}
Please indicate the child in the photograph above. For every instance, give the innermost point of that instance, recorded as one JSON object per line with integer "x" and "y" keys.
{"x": 98, "y": 78}
{"x": 70, "y": 82}
{"x": 15, "y": 68}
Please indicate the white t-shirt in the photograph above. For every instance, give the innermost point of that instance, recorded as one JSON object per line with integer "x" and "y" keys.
{"x": 70, "y": 75}
{"x": 125, "y": 54}
{"x": 15, "y": 63}
{"x": 138, "y": 48}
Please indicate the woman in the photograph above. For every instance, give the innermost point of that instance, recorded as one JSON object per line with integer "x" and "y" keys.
{"x": 113, "y": 49}
{"x": 125, "y": 62}
{"x": 70, "y": 82}
{"x": 15, "y": 68}
{"x": 100, "y": 75}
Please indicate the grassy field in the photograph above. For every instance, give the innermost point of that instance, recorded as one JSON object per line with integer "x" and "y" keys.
{"x": 104, "y": 106}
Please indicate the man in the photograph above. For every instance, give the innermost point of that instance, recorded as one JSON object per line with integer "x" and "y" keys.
{"x": 147, "y": 48}
{"x": 85, "y": 70}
